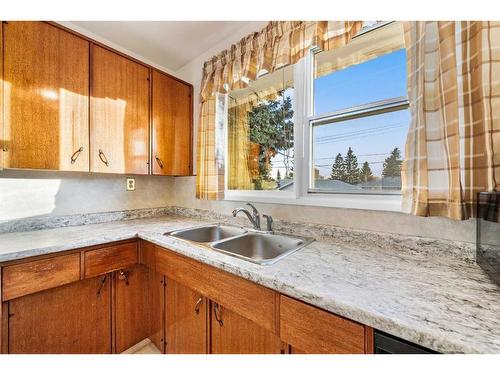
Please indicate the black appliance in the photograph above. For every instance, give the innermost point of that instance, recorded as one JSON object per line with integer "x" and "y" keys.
{"x": 388, "y": 344}
{"x": 488, "y": 234}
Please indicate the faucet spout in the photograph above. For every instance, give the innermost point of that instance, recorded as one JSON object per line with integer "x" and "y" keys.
{"x": 254, "y": 219}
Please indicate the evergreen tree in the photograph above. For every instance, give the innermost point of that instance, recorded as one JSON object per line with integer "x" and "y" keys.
{"x": 278, "y": 176}
{"x": 366, "y": 172}
{"x": 351, "y": 168}
{"x": 338, "y": 169}
{"x": 271, "y": 126}
{"x": 392, "y": 164}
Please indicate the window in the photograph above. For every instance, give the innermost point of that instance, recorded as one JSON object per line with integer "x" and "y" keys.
{"x": 360, "y": 117}
{"x": 333, "y": 125}
{"x": 260, "y": 133}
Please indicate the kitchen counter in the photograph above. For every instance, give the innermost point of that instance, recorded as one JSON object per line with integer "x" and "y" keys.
{"x": 441, "y": 303}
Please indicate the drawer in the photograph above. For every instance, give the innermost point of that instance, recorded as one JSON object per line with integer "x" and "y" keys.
{"x": 252, "y": 301}
{"x": 30, "y": 277}
{"x": 313, "y": 330}
{"x": 110, "y": 258}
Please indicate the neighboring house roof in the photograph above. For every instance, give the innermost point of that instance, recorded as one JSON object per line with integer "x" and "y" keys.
{"x": 384, "y": 182}
{"x": 391, "y": 182}
{"x": 287, "y": 184}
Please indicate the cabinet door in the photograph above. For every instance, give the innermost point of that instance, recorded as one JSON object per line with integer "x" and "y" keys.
{"x": 46, "y": 98}
{"x": 119, "y": 114}
{"x": 186, "y": 320}
{"x": 131, "y": 307}
{"x": 171, "y": 151}
{"x": 234, "y": 334}
{"x": 74, "y": 318}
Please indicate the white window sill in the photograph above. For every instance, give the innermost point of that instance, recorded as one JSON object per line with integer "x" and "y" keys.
{"x": 353, "y": 201}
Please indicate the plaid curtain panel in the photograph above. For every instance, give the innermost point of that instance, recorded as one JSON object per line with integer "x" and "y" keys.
{"x": 279, "y": 44}
{"x": 453, "y": 145}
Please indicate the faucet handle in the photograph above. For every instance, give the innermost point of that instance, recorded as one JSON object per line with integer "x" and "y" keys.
{"x": 254, "y": 209}
{"x": 269, "y": 221}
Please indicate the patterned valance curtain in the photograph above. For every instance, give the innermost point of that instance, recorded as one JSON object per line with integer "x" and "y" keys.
{"x": 453, "y": 146}
{"x": 279, "y": 44}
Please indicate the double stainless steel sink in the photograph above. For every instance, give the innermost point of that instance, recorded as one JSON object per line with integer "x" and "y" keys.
{"x": 251, "y": 245}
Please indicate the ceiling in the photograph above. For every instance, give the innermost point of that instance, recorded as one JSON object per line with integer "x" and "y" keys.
{"x": 170, "y": 44}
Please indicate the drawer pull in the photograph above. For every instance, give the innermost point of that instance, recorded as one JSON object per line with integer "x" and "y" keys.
{"x": 160, "y": 163}
{"x": 103, "y": 158}
{"x": 123, "y": 275}
{"x": 75, "y": 155}
{"x": 101, "y": 285}
{"x": 218, "y": 313}
{"x": 197, "y": 306}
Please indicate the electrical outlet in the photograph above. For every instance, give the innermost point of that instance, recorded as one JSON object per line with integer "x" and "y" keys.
{"x": 130, "y": 184}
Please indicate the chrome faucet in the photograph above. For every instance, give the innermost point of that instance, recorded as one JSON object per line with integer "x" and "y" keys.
{"x": 254, "y": 217}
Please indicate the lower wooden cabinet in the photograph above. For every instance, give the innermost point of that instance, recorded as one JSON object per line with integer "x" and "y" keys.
{"x": 73, "y": 318}
{"x": 234, "y": 334}
{"x": 186, "y": 320}
{"x": 90, "y": 305}
{"x": 132, "y": 303}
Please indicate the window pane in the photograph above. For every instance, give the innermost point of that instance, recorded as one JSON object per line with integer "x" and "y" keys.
{"x": 260, "y": 133}
{"x": 361, "y": 155}
{"x": 377, "y": 79}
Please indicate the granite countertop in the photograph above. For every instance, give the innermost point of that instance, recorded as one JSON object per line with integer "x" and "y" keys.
{"x": 441, "y": 303}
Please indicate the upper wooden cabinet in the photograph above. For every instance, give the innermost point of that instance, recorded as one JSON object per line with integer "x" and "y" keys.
{"x": 119, "y": 109}
{"x": 172, "y": 124}
{"x": 46, "y": 97}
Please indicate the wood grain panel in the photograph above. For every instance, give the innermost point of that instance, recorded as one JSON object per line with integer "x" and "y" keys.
{"x": 109, "y": 259}
{"x": 119, "y": 114}
{"x": 132, "y": 305}
{"x": 238, "y": 335}
{"x": 172, "y": 126}
{"x": 74, "y": 318}
{"x": 186, "y": 320}
{"x": 46, "y": 97}
{"x": 33, "y": 276}
{"x": 248, "y": 299}
{"x": 316, "y": 331}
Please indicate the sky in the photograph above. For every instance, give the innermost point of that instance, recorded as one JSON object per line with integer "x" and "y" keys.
{"x": 372, "y": 138}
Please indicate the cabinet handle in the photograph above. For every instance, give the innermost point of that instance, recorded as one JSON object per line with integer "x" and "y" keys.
{"x": 75, "y": 155}
{"x": 197, "y": 306}
{"x": 101, "y": 284}
{"x": 160, "y": 163}
{"x": 218, "y": 313}
{"x": 103, "y": 158}
{"x": 123, "y": 275}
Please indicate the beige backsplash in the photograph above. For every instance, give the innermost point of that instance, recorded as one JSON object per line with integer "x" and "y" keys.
{"x": 31, "y": 194}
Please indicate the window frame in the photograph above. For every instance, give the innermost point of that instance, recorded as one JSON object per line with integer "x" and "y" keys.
{"x": 304, "y": 121}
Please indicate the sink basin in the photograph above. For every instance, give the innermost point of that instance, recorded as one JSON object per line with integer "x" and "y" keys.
{"x": 261, "y": 248}
{"x": 207, "y": 233}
